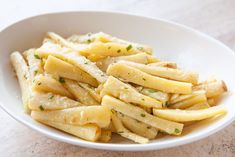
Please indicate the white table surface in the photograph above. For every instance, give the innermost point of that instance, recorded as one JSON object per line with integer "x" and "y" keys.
{"x": 214, "y": 17}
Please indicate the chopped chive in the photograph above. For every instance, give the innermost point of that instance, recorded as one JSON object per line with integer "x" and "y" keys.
{"x": 144, "y": 79}
{"x": 36, "y": 56}
{"x": 140, "y": 48}
{"x": 113, "y": 111}
{"x": 122, "y": 114}
{"x": 152, "y": 91}
{"x": 118, "y": 51}
{"x": 41, "y": 108}
{"x": 167, "y": 104}
{"x": 142, "y": 99}
{"x": 128, "y": 47}
{"x": 61, "y": 80}
{"x": 177, "y": 130}
{"x": 88, "y": 40}
{"x": 142, "y": 115}
{"x": 120, "y": 132}
{"x": 39, "y": 83}
{"x": 25, "y": 76}
{"x": 51, "y": 97}
{"x": 35, "y": 72}
{"x": 128, "y": 73}
{"x": 86, "y": 63}
{"x": 125, "y": 88}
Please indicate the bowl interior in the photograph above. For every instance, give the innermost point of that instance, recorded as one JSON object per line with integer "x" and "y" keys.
{"x": 190, "y": 49}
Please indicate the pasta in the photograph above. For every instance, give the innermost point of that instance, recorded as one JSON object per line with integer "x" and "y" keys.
{"x": 95, "y": 85}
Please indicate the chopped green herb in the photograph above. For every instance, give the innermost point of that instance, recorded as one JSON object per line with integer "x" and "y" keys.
{"x": 109, "y": 47}
{"x": 142, "y": 115}
{"x": 148, "y": 127}
{"x": 119, "y": 132}
{"x": 128, "y": 73}
{"x": 61, "y": 80}
{"x": 86, "y": 63}
{"x": 88, "y": 40}
{"x": 113, "y": 111}
{"x": 144, "y": 79}
{"x": 25, "y": 76}
{"x": 118, "y": 51}
{"x": 140, "y": 48}
{"x": 152, "y": 91}
{"x": 51, "y": 97}
{"x": 36, "y": 56}
{"x": 41, "y": 108}
{"x": 177, "y": 130}
{"x": 102, "y": 75}
{"x": 122, "y": 114}
{"x": 128, "y": 47}
{"x": 142, "y": 99}
{"x": 167, "y": 104}
{"x": 39, "y": 83}
{"x": 35, "y": 72}
{"x": 125, "y": 88}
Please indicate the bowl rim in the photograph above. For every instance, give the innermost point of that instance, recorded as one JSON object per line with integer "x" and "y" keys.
{"x": 112, "y": 146}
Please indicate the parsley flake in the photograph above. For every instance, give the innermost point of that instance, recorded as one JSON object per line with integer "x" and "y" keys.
{"x": 41, "y": 108}
{"x": 113, "y": 111}
{"x": 36, "y": 56}
{"x": 177, "y": 130}
{"x": 144, "y": 79}
{"x": 142, "y": 99}
{"x": 167, "y": 104}
{"x": 25, "y": 76}
{"x": 39, "y": 83}
{"x": 152, "y": 91}
{"x": 35, "y": 72}
{"x": 61, "y": 80}
{"x": 128, "y": 47}
{"x": 88, "y": 41}
{"x": 51, "y": 97}
{"x": 142, "y": 115}
{"x": 140, "y": 48}
{"x": 118, "y": 51}
{"x": 119, "y": 132}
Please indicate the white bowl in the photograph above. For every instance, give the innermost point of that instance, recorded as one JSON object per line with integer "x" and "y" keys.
{"x": 171, "y": 41}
